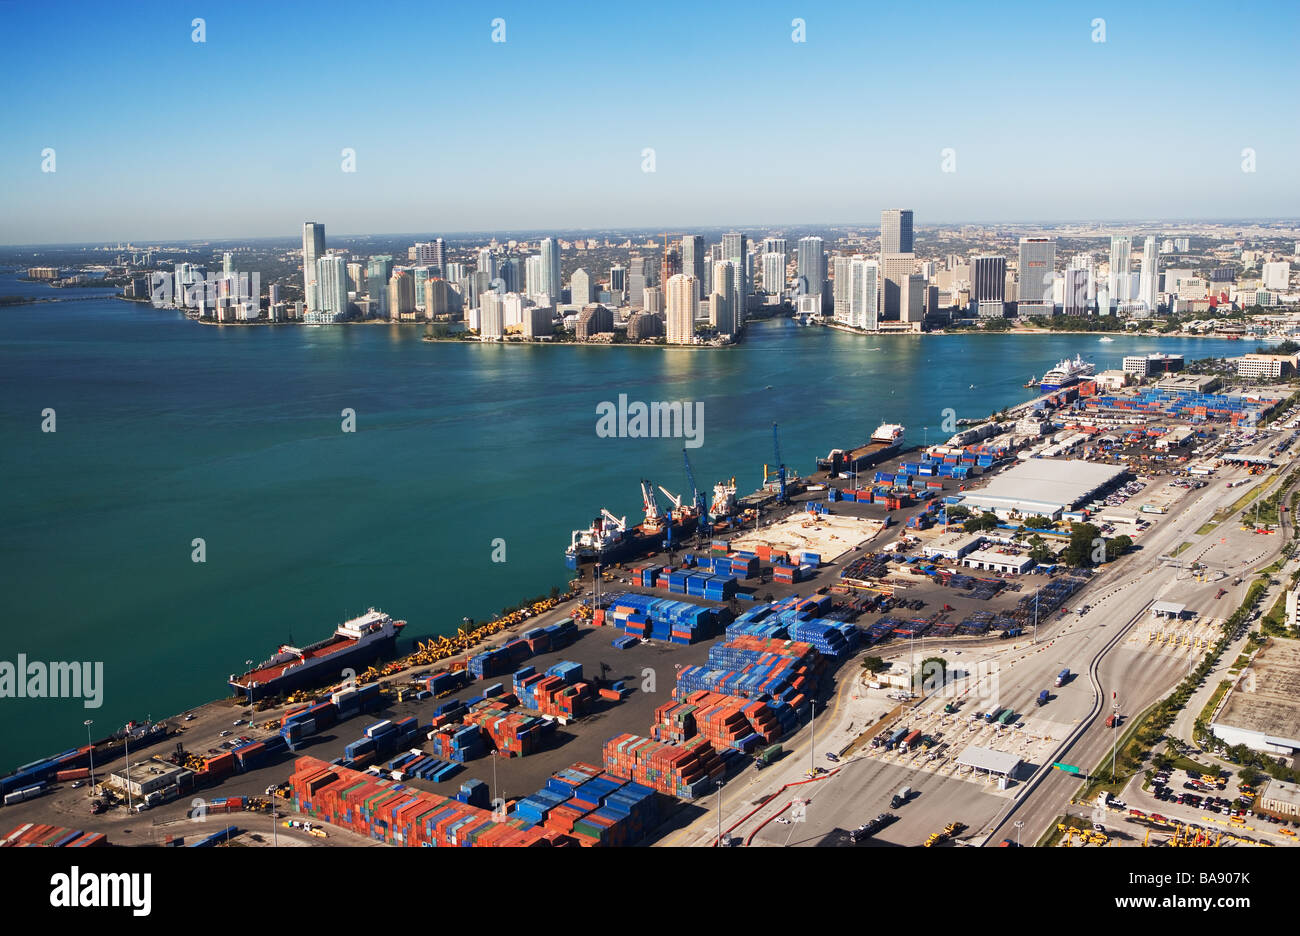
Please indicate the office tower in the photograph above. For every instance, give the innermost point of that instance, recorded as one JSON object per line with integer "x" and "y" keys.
{"x": 536, "y": 321}
{"x": 734, "y": 247}
{"x": 356, "y": 277}
{"x": 510, "y": 270}
{"x": 894, "y": 270}
{"x": 487, "y": 263}
{"x": 840, "y": 289}
{"x": 1276, "y": 275}
{"x": 378, "y": 270}
{"x": 491, "y": 321}
{"x": 313, "y": 248}
{"x": 988, "y": 287}
{"x": 773, "y": 245}
{"x": 454, "y": 272}
{"x": 534, "y": 278}
{"x": 580, "y": 288}
{"x": 1037, "y": 267}
{"x": 671, "y": 264}
{"x": 864, "y": 286}
{"x": 896, "y": 231}
{"x": 332, "y": 287}
{"x": 273, "y": 294}
{"x": 439, "y": 258}
{"x": 681, "y": 292}
{"x": 512, "y": 310}
{"x": 722, "y": 301}
{"x": 480, "y": 284}
{"x": 1076, "y": 291}
{"x": 774, "y": 273}
{"x": 437, "y": 298}
{"x": 617, "y": 279}
{"x": 227, "y": 262}
{"x": 401, "y": 295}
{"x": 1149, "y": 283}
{"x": 550, "y": 253}
{"x": 419, "y": 276}
{"x": 810, "y": 275}
{"x": 188, "y": 285}
{"x": 652, "y": 300}
{"x": 1182, "y": 244}
{"x": 693, "y": 257}
{"x": 1120, "y": 247}
{"x": 912, "y": 301}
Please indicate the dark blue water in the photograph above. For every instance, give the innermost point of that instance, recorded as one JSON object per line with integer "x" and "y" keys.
{"x": 168, "y": 430}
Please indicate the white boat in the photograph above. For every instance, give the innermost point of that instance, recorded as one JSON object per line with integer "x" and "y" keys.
{"x": 1067, "y": 373}
{"x": 1105, "y": 339}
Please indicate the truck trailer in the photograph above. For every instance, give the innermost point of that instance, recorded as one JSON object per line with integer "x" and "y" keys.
{"x": 1061, "y": 677}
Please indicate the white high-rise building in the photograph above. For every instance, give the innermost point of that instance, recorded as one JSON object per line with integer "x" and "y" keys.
{"x": 864, "y": 293}
{"x": 681, "y": 308}
{"x": 331, "y": 287}
{"x": 1276, "y": 275}
{"x": 1120, "y": 248}
{"x": 313, "y": 248}
{"x": 840, "y": 289}
{"x": 491, "y": 321}
{"x": 811, "y": 272}
{"x": 735, "y": 247}
{"x": 550, "y": 253}
{"x": 722, "y": 301}
{"x": 580, "y": 287}
{"x": 1149, "y": 283}
{"x": 774, "y": 273}
{"x": 534, "y": 279}
{"x": 1037, "y": 268}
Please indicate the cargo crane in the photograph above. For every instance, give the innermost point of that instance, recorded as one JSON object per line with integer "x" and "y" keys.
{"x": 701, "y": 505}
{"x": 656, "y": 521}
{"x": 779, "y": 465}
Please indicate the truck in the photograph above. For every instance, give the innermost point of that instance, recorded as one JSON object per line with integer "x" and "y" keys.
{"x": 1061, "y": 678}
{"x": 896, "y": 737}
{"x": 26, "y": 793}
{"x": 1007, "y": 717}
{"x": 1153, "y": 508}
{"x": 766, "y": 756}
{"x": 900, "y": 797}
{"x": 991, "y": 715}
{"x": 1042, "y": 697}
{"x": 1113, "y": 720}
{"x": 909, "y": 741}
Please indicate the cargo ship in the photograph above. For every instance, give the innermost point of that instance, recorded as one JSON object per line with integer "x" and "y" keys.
{"x": 354, "y": 643}
{"x": 885, "y": 442}
{"x": 609, "y": 539}
{"x": 1066, "y": 374}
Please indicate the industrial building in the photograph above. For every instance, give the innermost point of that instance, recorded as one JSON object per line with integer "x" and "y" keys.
{"x": 153, "y": 782}
{"x": 1044, "y": 486}
{"x": 952, "y": 546}
{"x": 993, "y": 561}
{"x": 1262, "y": 711}
{"x": 1281, "y": 799}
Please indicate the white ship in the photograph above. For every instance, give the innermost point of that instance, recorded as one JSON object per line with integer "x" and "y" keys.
{"x": 1066, "y": 373}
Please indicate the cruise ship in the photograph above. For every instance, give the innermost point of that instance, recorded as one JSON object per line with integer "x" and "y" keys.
{"x": 1066, "y": 373}
{"x": 354, "y": 643}
{"x": 885, "y": 442}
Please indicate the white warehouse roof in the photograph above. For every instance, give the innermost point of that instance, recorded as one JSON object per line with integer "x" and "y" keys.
{"x": 995, "y": 762}
{"x": 1041, "y": 485}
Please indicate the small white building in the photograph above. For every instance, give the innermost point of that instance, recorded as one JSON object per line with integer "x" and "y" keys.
{"x": 952, "y": 546}
{"x": 989, "y": 560}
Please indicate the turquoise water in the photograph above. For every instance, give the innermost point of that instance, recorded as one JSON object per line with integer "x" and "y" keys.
{"x": 168, "y": 430}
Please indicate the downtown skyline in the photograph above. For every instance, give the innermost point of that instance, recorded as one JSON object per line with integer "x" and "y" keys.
{"x": 496, "y": 149}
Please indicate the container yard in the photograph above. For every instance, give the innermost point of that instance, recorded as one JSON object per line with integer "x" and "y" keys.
{"x": 827, "y": 536}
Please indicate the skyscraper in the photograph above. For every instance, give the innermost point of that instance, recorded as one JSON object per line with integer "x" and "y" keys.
{"x": 840, "y": 288}
{"x": 896, "y": 231}
{"x": 1120, "y": 246}
{"x": 313, "y": 248}
{"x": 617, "y": 281}
{"x": 811, "y": 273}
{"x": 693, "y": 257}
{"x": 487, "y": 263}
{"x": 734, "y": 247}
{"x": 911, "y": 303}
{"x": 722, "y": 301}
{"x": 1078, "y": 289}
{"x": 774, "y": 273}
{"x": 988, "y": 288}
{"x": 401, "y": 295}
{"x": 1149, "y": 283}
{"x": 378, "y": 270}
{"x": 895, "y": 268}
{"x": 864, "y": 286}
{"x": 550, "y": 252}
{"x": 1037, "y": 266}
{"x": 681, "y": 309}
{"x": 775, "y": 245}
{"x": 580, "y": 287}
{"x": 332, "y": 287}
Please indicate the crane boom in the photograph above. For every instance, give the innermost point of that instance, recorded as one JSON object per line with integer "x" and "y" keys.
{"x": 780, "y": 465}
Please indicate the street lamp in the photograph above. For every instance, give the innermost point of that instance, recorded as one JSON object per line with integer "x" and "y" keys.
{"x": 1019, "y": 824}
{"x": 88, "y": 722}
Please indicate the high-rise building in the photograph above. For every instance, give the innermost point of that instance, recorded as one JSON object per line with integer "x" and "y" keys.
{"x": 722, "y": 301}
{"x": 864, "y": 288}
{"x": 734, "y": 248}
{"x": 437, "y": 298}
{"x": 988, "y": 286}
{"x": 419, "y": 276}
{"x": 681, "y": 309}
{"x": 332, "y": 287}
{"x": 1077, "y": 291}
{"x": 840, "y": 289}
{"x": 810, "y": 275}
{"x": 652, "y": 300}
{"x": 594, "y": 319}
{"x": 580, "y": 288}
{"x": 550, "y": 253}
{"x": 491, "y": 316}
{"x": 401, "y": 296}
{"x": 536, "y": 321}
{"x": 911, "y": 303}
{"x": 1182, "y": 244}
{"x": 378, "y": 271}
{"x": 618, "y": 279}
{"x": 1037, "y": 268}
{"x": 313, "y": 248}
{"x": 487, "y": 263}
{"x": 227, "y": 262}
{"x": 1149, "y": 283}
{"x": 1120, "y": 247}
{"x": 896, "y": 231}
{"x": 773, "y": 245}
{"x": 693, "y": 257}
{"x": 895, "y": 268}
{"x": 774, "y": 273}
{"x": 1276, "y": 275}
{"x": 671, "y": 264}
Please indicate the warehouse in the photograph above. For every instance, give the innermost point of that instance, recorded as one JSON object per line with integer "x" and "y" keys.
{"x": 1043, "y": 486}
{"x": 1281, "y": 799}
{"x": 992, "y": 561}
{"x": 952, "y": 546}
{"x": 153, "y": 782}
{"x": 1262, "y": 711}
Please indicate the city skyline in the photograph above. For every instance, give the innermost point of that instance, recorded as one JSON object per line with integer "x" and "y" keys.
{"x": 122, "y": 174}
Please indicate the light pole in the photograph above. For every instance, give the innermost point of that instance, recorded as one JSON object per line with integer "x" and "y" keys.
{"x": 1114, "y": 733}
{"x": 1019, "y": 824}
{"x": 129, "y": 804}
{"x": 88, "y": 722}
{"x": 719, "y": 845}
{"x": 812, "y": 736}
{"x": 1036, "y": 614}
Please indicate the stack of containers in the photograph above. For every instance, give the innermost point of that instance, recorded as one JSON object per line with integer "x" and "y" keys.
{"x": 512, "y": 734}
{"x": 686, "y": 771}
{"x": 786, "y": 574}
{"x": 355, "y": 701}
{"x": 458, "y": 744}
{"x": 442, "y": 683}
{"x": 663, "y": 619}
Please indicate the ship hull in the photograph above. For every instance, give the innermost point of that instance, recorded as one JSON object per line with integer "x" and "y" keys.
{"x": 320, "y": 671}
{"x": 864, "y": 457}
{"x": 635, "y": 542}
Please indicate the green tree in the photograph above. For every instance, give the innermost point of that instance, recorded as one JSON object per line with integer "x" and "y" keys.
{"x": 1079, "y": 553}
{"x": 1039, "y": 522}
{"x": 1117, "y": 546}
{"x": 874, "y": 664}
{"x": 985, "y": 521}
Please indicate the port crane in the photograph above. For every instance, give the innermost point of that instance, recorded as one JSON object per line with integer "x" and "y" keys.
{"x": 701, "y": 505}
{"x": 656, "y": 521}
{"x": 780, "y": 465}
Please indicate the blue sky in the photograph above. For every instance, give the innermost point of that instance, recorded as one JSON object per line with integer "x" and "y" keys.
{"x": 159, "y": 137}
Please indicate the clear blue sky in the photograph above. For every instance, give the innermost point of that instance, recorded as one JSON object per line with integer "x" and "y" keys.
{"x": 158, "y": 137}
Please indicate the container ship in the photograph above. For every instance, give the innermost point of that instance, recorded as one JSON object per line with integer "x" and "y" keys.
{"x": 609, "y": 539}
{"x": 1066, "y": 374}
{"x": 354, "y": 643}
{"x": 885, "y": 442}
